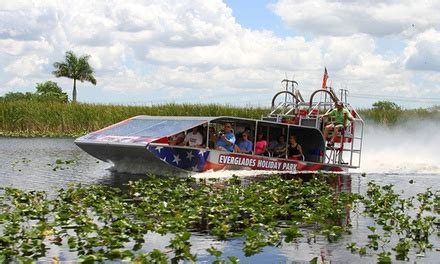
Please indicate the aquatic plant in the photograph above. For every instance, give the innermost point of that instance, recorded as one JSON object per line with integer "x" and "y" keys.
{"x": 61, "y": 164}
{"x": 403, "y": 224}
{"x": 102, "y": 223}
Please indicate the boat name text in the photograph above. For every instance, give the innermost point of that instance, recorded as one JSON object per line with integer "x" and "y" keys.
{"x": 256, "y": 163}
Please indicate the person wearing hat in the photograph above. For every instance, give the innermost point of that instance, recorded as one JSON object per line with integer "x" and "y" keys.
{"x": 341, "y": 119}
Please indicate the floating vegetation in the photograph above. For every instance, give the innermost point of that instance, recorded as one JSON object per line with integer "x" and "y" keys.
{"x": 60, "y": 164}
{"x": 100, "y": 223}
{"x": 402, "y": 224}
{"x": 22, "y": 161}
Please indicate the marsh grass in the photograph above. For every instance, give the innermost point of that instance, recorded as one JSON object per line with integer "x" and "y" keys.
{"x": 29, "y": 118}
{"x": 392, "y": 117}
{"x": 33, "y": 118}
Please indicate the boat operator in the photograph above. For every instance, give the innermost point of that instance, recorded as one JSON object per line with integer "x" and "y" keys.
{"x": 342, "y": 118}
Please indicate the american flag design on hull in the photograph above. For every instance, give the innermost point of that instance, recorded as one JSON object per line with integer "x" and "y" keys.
{"x": 199, "y": 160}
{"x": 183, "y": 158}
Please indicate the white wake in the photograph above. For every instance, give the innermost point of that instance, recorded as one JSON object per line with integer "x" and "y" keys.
{"x": 410, "y": 148}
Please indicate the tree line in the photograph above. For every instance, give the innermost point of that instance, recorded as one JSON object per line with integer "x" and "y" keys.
{"x": 73, "y": 67}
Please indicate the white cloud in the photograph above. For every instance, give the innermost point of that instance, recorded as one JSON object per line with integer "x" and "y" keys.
{"x": 193, "y": 50}
{"x": 423, "y": 52}
{"x": 342, "y": 17}
{"x": 26, "y": 65}
{"x": 17, "y": 82}
{"x": 24, "y": 20}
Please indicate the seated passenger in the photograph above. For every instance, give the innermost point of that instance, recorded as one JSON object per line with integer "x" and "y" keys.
{"x": 194, "y": 138}
{"x": 248, "y": 130}
{"x": 294, "y": 150}
{"x": 226, "y": 139}
{"x": 176, "y": 139}
{"x": 239, "y": 134}
{"x": 342, "y": 117}
{"x": 261, "y": 144}
{"x": 279, "y": 149}
{"x": 245, "y": 145}
{"x": 212, "y": 137}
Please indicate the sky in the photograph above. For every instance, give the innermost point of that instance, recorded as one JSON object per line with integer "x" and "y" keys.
{"x": 228, "y": 52}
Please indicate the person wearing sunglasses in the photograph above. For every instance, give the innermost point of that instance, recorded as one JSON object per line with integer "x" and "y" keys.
{"x": 226, "y": 139}
{"x": 245, "y": 145}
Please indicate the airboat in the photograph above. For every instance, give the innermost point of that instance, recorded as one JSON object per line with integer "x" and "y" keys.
{"x": 141, "y": 144}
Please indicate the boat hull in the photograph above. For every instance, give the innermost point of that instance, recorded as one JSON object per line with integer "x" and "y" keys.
{"x": 200, "y": 160}
{"x": 164, "y": 159}
{"x": 134, "y": 159}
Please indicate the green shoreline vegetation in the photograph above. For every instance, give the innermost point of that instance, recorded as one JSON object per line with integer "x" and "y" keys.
{"x": 36, "y": 117}
{"x": 100, "y": 223}
{"x": 32, "y": 118}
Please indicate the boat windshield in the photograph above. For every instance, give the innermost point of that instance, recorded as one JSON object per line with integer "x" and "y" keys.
{"x": 148, "y": 128}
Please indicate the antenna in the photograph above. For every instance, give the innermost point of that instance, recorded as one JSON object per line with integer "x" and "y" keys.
{"x": 344, "y": 94}
{"x": 289, "y": 84}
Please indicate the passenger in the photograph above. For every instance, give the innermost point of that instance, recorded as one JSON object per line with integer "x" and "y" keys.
{"x": 261, "y": 144}
{"x": 245, "y": 145}
{"x": 194, "y": 138}
{"x": 279, "y": 150}
{"x": 342, "y": 117}
{"x": 226, "y": 139}
{"x": 176, "y": 139}
{"x": 212, "y": 137}
{"x": 239, "y": 135}
{"x": 248, "y": 130}
{"x": 294, "y": 150}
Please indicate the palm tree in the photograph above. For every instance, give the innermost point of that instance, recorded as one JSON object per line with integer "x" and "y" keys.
{"x": 75, "y": 68}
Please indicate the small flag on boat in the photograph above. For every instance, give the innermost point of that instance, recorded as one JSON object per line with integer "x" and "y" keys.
{"x": 324, "y": 79}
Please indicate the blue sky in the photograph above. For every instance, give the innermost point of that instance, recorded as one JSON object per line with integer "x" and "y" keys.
{"x": 228, "y": 52}
{"x": 257, "y": 15}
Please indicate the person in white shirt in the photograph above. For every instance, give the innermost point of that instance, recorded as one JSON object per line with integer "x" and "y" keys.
{"x": 194, "y": 138}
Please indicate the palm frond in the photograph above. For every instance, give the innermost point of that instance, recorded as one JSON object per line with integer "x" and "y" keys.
{"x": 76, "y": 68}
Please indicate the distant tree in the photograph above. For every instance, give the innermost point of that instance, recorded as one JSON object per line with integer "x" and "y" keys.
{"x": 17, "y": 96}
{"x": 48, "y": 87}
{"x": 51, "y": 91}
{"x": 386, "y": 112}
{"x": 75, "y": 68}
{"x": 47, "y": 91}
{"x": 386, "y": 106}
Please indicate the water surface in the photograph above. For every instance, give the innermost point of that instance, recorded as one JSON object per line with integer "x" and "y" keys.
{"x": 31, "y": 164}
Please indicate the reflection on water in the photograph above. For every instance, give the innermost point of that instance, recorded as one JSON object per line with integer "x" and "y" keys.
{"x": 50, "y": 164}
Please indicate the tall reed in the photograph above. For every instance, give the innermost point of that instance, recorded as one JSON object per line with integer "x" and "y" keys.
{"x": 395, "y": 116}
{"x": 33, "y": 118}
{"x": 28, "y": 118}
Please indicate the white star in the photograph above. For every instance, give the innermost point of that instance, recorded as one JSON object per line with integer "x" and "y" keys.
{"x": 194, "y": 168}
{"x": 164, "y": 159}
{"x": 176, "y": 159}
{"x": 189, "y": 155}
{"x": 201, "y": 152}
{"x": 158, "y": 148}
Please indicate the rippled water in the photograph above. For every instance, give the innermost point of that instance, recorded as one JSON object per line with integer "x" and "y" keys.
{"x": 31, "y": 164}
